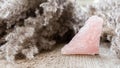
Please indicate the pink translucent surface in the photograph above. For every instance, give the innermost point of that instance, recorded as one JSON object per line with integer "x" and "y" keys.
{"x": 87, "y": 40}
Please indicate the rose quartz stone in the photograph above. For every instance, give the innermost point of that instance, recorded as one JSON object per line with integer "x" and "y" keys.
{"x": 87, "y": 40}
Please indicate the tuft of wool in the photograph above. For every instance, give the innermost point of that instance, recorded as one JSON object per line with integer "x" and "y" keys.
{"x": 39, "y": 28}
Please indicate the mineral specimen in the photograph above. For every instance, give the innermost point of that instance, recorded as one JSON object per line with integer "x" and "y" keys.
{"x": 87, "y": 40}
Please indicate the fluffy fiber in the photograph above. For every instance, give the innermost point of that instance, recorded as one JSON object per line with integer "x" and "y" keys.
{"x": 30, "y": 28}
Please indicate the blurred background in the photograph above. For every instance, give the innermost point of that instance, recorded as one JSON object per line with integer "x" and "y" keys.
{"x": 83, "y": 2}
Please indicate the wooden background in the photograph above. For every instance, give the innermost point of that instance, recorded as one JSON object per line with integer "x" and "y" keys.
{"x": 54, "y": 59}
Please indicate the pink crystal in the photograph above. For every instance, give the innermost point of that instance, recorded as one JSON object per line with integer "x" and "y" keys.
{"x": 87, "y": 40}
